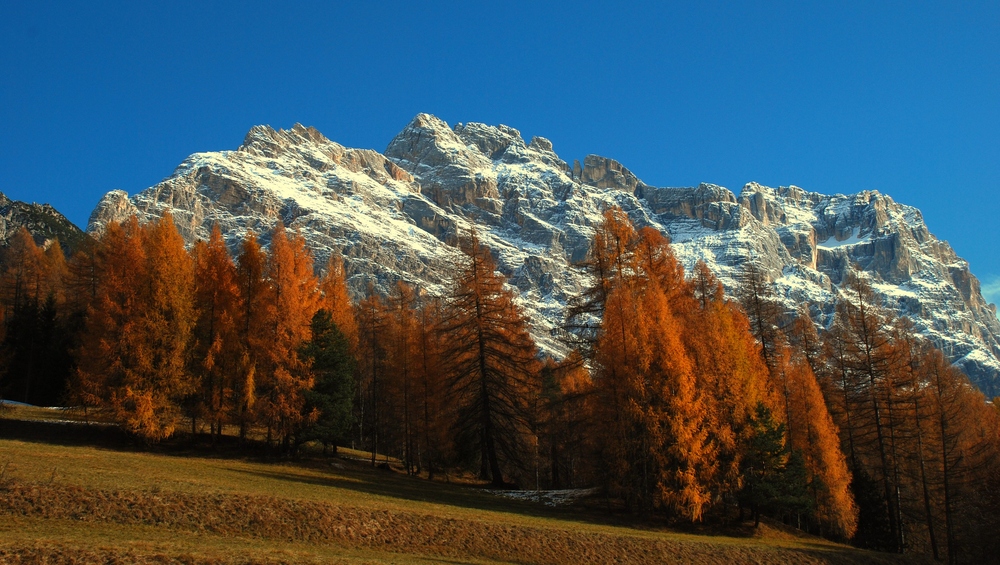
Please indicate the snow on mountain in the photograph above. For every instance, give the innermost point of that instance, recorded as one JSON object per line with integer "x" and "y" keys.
{"x": 396, "y": 216}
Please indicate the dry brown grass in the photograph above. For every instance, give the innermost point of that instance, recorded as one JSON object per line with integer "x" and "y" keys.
{"x": 47, "y": 541}
{"x": 325, "y": 524}
{"x": 85, "y": 504}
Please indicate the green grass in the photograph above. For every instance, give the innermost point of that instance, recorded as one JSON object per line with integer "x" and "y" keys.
{"x": 77, "y": 497}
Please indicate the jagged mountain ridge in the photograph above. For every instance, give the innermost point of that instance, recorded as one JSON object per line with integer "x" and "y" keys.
{"x": 42, "y": 221}
{"x": 395, "y": 215}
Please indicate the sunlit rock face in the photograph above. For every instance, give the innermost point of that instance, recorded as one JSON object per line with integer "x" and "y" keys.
{"x": 397, "y": 215}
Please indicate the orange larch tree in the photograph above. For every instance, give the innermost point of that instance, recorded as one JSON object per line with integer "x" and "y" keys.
{"x": 812, "y": 433}
{"x": 170, "y": 308}
{"x": 609, "y": 261}
{"x": 686, "y": 456}
{"x": 24, "y": 275}
{"x": 215, "y": 357}
{"x": 372, "y": 369}
{"x": 252, "y": 330}
{"x": 337, "y": 300}
{"x": 57, "y": 271}
{"x": 730, "y": 371}
{"x": 657, "y": 450}
{"x": 132, "y": 359}
{"x": 290, "y": 301}
{"x": 104, "y": 358}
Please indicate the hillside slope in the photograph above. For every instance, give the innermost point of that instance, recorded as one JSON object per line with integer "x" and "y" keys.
{"x": 72, "y": 494}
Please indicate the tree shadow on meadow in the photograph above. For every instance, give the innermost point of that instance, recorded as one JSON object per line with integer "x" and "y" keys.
{"x": 339, "y": 473}
{"x": 103, "y": 435}
{"x": 391, "y": 484}
{"x": 67, "y": 433}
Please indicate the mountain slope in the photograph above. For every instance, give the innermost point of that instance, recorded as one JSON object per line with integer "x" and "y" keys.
{"x": 43, "y": 222}
{"x": 396, "y": 215}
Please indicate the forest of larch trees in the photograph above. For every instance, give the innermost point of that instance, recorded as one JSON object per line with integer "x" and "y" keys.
{"x": 676, "y": 403}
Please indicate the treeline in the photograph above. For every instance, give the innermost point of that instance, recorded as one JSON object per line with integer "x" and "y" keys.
{"x": 676, "y": 401}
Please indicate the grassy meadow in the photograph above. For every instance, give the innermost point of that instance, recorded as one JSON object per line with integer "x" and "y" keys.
{"x": 72, "y": 492}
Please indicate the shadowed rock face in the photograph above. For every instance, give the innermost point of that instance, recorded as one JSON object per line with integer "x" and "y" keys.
{"x": 43, "y": 222}
{"x": 396, "y": 216}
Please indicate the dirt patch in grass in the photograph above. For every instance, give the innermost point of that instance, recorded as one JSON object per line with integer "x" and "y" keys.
{"x": 319, "y": 523}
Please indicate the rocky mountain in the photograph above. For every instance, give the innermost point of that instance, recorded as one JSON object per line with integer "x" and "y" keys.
{"x": 43, "y": 222}
{"x": 396, "y": 215}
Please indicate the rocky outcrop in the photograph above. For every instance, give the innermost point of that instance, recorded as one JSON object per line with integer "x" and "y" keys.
{"x": 115, "y": 207}
{"x": 43, "y": 222}
{"x": 607, "y": 173}
{"x": 714, "y": 206}
{"x": 824, "y": 237}
{"x": 460, "y": 173}
{"x": 397, "y": 215}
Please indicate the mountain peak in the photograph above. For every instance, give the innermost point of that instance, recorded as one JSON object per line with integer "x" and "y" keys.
{"x": 394, "y": 216}
{"x": 115, "y": 206}
{"x": 265, "y": 141}
{"x": 491, "y": 141}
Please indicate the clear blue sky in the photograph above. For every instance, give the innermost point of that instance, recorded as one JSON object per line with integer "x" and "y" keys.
{"x": 902, "y": 97}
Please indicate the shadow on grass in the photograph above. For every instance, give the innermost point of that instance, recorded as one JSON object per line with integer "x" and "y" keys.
{"x": 348, "y": 474}
{"x": 106, "y": 436}
{"x": 356, "y": 477}
{"x": 343, "y": 473}
{"x": 360, "y": 477}
{"x": 110, "y": 436}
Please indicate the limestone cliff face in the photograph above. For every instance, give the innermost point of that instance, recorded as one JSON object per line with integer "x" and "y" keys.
{"x": 396, "y": 216}
{"x": 917, "y": 275}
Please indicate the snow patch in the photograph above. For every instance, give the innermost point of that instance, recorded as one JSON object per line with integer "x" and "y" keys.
{"x": 853, "y": 239}
{"x": 550, "y": 498}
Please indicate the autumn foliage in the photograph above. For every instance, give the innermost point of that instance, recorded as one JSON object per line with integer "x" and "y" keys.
{"x": 132, "y": 358}
{"x": 673, "y": 399}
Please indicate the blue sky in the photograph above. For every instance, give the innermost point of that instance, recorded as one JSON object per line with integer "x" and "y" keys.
{"x": 901, "y": 97}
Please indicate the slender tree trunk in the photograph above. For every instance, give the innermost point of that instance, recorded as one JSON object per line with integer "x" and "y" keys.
{"x": 884, "y": 459}
{"x": 923, "y": 480}
{"x": 895, "y": 468}
{"x": 374, "y": 387}
{"x": 946, "y": 481}
{"x": 868, "y": 336}
{"x": 406, "y": 423}
{"x": 427, "y": 419}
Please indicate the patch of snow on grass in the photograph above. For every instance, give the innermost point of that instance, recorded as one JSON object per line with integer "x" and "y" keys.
{"x": 551, "y": 498}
